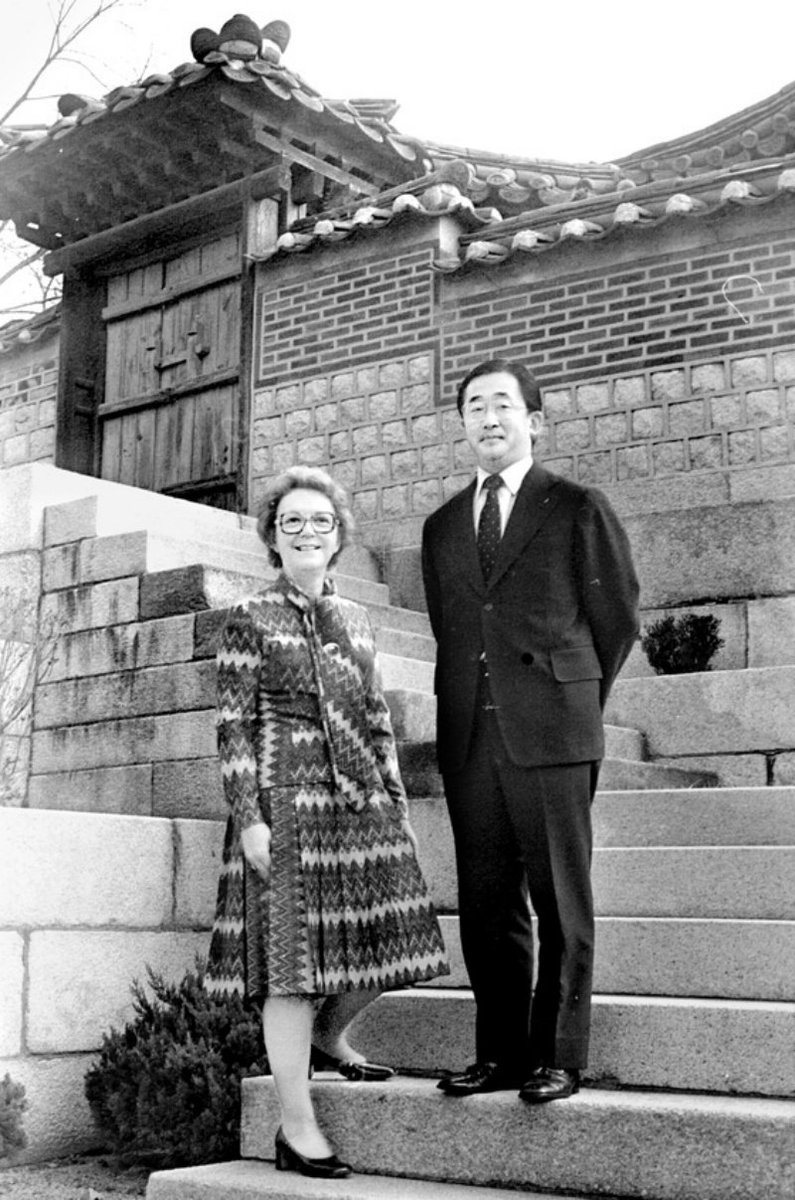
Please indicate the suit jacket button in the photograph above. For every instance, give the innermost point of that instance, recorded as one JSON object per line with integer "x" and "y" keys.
{"x": 527, "y": 658}
{"x": 488, "y": 607}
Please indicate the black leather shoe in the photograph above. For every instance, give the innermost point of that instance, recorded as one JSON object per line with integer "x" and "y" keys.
{"x": 288, "y": 1159}
{"x": 479, "y": 1077}
{"x": 359, "y": 1071}
{"x": 550, "y": 1083}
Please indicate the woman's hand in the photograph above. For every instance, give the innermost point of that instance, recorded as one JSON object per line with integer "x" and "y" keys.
{"x": 256, "y": 843}
{"x": 405, "y": 825}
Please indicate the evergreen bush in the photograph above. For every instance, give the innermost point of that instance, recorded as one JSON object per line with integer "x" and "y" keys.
{"x": 12, "y": 1106}
{"x": 677, "y": 645}
{"x": 166, "y": 1089}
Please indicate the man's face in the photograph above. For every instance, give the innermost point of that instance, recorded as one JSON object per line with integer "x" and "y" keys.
{"x": 497, "y": 424}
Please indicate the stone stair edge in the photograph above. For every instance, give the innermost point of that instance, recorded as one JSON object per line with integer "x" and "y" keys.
{"x": 669, "y": 1145}
{"x": 255, "y": 1177}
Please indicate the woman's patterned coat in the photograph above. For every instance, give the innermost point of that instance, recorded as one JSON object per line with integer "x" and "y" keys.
{"x": 306, "y": 744}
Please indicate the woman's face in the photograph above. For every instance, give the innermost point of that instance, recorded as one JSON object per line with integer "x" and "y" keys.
{"x": 306, "y": 550}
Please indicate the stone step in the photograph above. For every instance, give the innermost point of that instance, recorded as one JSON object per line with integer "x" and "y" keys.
{"x": 740, "y": 1047}
{"x": 140, "y": 552}
{"x": 712, "y": 882}
{"x": 628, "y": 1143}
{"x": 118, "y": 508}
{"x": 414, "y": 720}
{"x": 248, "y": 1179}
{"x": 721, "y": 959}
{"x": 761, "y": 816}
{"x": 709, "y": 712}
{"x": 421, "y": 776}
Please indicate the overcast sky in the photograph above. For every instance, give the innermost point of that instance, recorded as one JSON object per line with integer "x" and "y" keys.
{"x": 573, "y": 81}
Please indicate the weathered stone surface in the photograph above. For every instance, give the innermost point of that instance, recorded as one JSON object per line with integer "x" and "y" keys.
{"x": 12, "y": 948}
{"x": 784, "y": 769}
{"x": 93, "y": 606}
{"x": 126, "y": 647}
{"x": 713, "y": 712}
{"x": 65, "y": 869}
{"x": 729, "y": 770}
{"x": 26, "y": 490}
{"x": 114, "y": 743}
{"x": 58, "y": 1121}
{"x": 194, "y": 588}
{"x": 19, "y": 594}
{"x": 70, "y": 520}
{"x": 123, "y": 790}
{"x": 79, "y": 981}
{"x": 713, "y": 1148}
{"x": 724, "y": 959}
{"x": 251, "y": 1179}
{"x": 175, "y": 688}
{"x": 703, "y": 553}
{"x": 197, "y": 853}
{"x": 696, "y": 881}
{"x": 736, "y": 1046}
{"x": 726, "y": 816}
{"x": 189, "y": 788}
{"x": 771, "y": 632}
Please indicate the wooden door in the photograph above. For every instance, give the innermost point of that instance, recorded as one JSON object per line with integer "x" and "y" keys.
{"x": 170, "y": 421}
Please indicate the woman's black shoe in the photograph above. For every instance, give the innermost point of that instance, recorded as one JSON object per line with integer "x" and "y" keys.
{"x": 288, "y": 1159}
{"x": 361, "y": 1071}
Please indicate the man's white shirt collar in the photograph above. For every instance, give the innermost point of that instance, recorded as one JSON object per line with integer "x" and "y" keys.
{"x": 512, "y": 476}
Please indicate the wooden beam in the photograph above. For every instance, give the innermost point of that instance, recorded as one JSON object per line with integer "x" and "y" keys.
{"x": 293, "y": 153}
{"x": 123, "y": 237}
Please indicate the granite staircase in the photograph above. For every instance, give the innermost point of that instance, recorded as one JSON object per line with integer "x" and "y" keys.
{"x": 691, "y": 1087}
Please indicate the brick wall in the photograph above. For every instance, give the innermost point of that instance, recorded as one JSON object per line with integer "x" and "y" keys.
{"x": 28, "y": 390}
{"x": 668, "y": 374}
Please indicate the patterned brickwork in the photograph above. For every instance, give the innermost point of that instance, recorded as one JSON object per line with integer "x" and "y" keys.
{"x": 28, "y": 389}
{"x": 592, "y": 311}
{"x": 366, "y": 308}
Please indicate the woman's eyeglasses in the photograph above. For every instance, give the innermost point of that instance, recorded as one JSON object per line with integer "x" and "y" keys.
{"x": 321, "y": 522}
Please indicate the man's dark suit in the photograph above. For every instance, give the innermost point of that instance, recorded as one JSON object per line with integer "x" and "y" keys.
{"x": 524, "y": 666}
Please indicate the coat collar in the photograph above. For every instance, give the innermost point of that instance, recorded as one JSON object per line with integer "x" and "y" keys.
{"x": 301, "y": 600}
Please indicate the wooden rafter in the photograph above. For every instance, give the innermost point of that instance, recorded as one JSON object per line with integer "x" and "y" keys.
{"x": 124, "y": 237}
{"x": 292, "y": 152}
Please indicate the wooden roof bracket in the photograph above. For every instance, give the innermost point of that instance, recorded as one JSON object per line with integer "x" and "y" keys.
{"x": 293, "y": 153}
{"x": 122, "y": 238}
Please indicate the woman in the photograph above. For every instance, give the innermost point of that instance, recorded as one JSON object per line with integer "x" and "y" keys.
{"x": 321, "y": 901}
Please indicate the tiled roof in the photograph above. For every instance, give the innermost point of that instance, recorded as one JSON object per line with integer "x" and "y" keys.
{"x": 147, "y": 147}
{"x": 31, "y": 330}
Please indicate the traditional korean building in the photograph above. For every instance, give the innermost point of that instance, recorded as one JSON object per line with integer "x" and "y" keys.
{"x": 255, "y": 275}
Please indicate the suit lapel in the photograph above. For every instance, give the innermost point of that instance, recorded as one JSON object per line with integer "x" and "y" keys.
{"x": 460, "y": 536}
{"x": 534, "y": 502}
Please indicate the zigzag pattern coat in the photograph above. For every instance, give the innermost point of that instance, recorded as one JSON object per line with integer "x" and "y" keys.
{"x": 306, "y": 744}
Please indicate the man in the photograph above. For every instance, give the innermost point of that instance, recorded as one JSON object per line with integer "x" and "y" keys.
{"x": 532, "y": 597}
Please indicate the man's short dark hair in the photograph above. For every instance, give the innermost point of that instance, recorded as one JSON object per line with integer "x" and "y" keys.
{"x": 528, "y": 384}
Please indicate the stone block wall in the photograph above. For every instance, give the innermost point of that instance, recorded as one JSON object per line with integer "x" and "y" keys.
{"x": 28, "y": 392}
{"x": 90, "y": 901}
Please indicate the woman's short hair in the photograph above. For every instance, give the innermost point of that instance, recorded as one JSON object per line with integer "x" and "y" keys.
{"x": 303, "y": 477}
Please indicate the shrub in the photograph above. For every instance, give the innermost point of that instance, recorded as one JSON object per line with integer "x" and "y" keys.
{"x": 12, "y": 1106}
{"x": 166, "y": 1088}
{"x": 676, "y": 645}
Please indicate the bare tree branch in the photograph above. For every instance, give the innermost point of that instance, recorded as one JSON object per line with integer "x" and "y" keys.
{"x": 62, "y": 38}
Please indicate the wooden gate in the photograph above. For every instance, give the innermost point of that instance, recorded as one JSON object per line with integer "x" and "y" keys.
{"x": 170, "y": 421}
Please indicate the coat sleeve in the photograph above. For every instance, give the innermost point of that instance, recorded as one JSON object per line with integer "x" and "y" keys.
{"x": 430, "y": 582}
{"x": 239, "y": 664}
{"x": 608, "y": 585}
{"x": 382, "y": 738}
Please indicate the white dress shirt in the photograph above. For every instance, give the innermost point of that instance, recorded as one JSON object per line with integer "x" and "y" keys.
{"x": 512, "y": 478}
